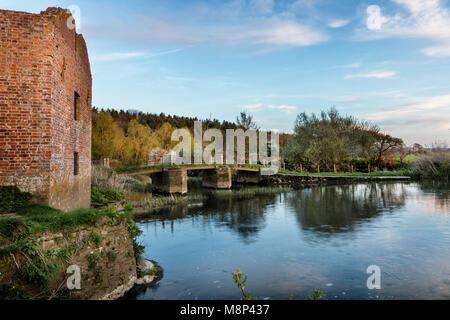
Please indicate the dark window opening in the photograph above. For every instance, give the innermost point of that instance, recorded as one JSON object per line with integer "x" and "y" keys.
{"x": 75, "y": 163}
{"x": 76, "y": 103}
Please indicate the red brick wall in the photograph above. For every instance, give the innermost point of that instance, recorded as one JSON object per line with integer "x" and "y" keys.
{"x": 42, "y": 64}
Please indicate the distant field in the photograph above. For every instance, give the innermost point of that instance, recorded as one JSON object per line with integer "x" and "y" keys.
{"x": 409, "y": 159}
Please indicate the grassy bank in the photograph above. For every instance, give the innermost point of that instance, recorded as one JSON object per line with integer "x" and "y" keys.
{"x": 349, "y": 174}
{"x": 436, "y": 166}
{"x": 22, "y": 229}
{"x": 160, "y": 166}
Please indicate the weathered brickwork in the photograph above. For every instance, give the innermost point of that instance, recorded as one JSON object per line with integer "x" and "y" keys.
{"x": 43, "y": 64}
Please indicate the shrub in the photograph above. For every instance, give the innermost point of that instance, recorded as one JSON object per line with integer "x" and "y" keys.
{"x": 12, "y": 199}
{"x": 105, "y": 194}
{"x": 434, "y": 166}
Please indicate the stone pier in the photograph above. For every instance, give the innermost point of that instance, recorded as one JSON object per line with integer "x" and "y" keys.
{"x": 170, "y": 181}
{"x": 247, "y": 177}
{"x": 218, "y": 178}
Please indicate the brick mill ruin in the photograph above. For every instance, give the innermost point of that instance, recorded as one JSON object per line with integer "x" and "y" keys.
{"x": 45, "y": 108}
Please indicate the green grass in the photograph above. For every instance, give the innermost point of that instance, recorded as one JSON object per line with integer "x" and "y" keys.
{"x": 410, "y": 159}
{"x": 160, "y": 166}
{"x": 36, "y": 219}
{"x": 105, "y": 194}
{"x": 347, "y": 174}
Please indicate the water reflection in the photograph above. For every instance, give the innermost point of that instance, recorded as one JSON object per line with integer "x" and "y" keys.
{"x": 290, "y": 242}
{"x": 324, "y": 209}
{"x": 336, "y": 209}
{"x": 439, "y": 195}
{"x": 244, "y": 217}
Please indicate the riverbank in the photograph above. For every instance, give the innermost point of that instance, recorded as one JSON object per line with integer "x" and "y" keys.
{"x": 44, "y": 250}
{"x": 297, "y": 178}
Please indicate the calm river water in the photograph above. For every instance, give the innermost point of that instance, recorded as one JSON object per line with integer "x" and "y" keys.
{"x": 293, "y": 241}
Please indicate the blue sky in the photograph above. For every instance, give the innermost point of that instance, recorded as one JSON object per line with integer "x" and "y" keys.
{"x": 386, "y": 61}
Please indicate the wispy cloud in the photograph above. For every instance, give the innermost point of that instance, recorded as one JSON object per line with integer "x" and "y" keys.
{"x": 259, "y": 107}
{"x": 425, "y": 104}
{"x": 252, "y": 107}
{"x": 421, "y": 120}
{"x": 428, "y": 19}
{"x": 284, "y": 108}
{"x": 117, "y": 56}
{"x": 353, "y": 65}
{"x": 273, "y": 32}
{"x": 376, "y": 75}
{"x": 236, "y": 23}
{"x": 163, "y": 53}
{"x": 338, "y": 23}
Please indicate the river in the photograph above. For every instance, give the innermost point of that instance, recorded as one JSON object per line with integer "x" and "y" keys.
{"x": 292, "y": 241}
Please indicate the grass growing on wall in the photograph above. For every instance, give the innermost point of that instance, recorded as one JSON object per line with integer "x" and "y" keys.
{"x": 20, "y": 237}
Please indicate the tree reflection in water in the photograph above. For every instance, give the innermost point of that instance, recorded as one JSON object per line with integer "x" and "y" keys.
{"x": 327, "y": 210}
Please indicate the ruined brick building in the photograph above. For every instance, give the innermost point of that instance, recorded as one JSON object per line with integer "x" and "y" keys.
{"x": 45, "y": 108}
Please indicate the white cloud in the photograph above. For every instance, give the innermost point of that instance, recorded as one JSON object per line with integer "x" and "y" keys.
{"x": 438, "y": 51}
{"x": 423, "y": 120}
{"x": 275, "y": 31}
{"x": 428, "y": 19}
{"x": 374, "y": 18}
{"x": 353, "y": 65}
{"x": 338, "y": 23}
{"x": 377, "y": 75}
{"x": 254, "y": 25}
{"x": 259, "y": 106}
{"x": 425, "y": 104}
{"x": 117, "y": 56}
{"x": 284, "y": 108}
{"x": 252, "y": 107}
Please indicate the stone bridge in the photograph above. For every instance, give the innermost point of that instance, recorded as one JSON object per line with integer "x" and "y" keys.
{"x": 173, "y": 180}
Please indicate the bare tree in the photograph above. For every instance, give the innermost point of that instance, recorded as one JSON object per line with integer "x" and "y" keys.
{"x": 245, "y": 120}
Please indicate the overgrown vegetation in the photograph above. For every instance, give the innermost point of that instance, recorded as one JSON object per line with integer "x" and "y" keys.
{"x": 12, "y": 199}
{"x": 102, "y": 191}
{"x": 154, "y": 272}
{"x": 20, "y": 241}
{"x": 105, "y": 194}
{"x": 436, "y": 165}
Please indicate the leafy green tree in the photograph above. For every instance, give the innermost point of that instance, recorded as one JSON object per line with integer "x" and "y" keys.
{"x": 106, "y": 136}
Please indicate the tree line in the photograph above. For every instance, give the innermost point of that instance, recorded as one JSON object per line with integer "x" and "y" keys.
{"x": 325, "y": 142}
{"x": 331, "y": 141}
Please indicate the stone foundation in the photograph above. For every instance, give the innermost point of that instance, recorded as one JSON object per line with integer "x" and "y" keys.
{"x": 107, "y": 277}
{"x": 170, "y": 181}
{"x": 219, "y": 178}
{"x": 247, "y": 177}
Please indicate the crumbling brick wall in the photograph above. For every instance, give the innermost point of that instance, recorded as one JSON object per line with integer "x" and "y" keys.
{"x": 43, "y": 63}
